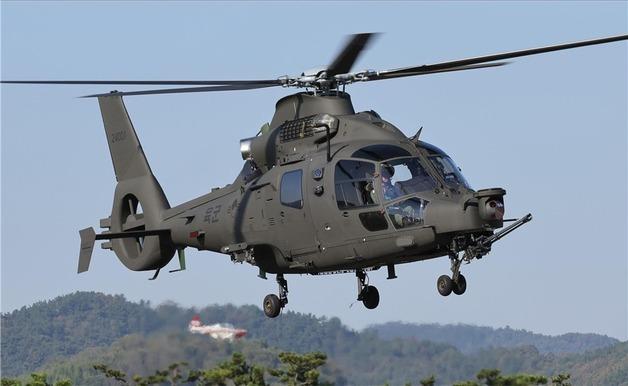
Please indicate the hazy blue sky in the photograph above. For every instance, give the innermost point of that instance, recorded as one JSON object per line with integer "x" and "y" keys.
{"x": 550, "y": 129}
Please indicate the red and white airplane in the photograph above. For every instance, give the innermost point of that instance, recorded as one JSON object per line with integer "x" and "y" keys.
{"x": 222, "y": 331}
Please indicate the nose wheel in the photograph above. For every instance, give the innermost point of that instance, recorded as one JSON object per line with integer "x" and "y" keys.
{"x": 457, "y": 283}
{"x": 367, "y": 294}
{"x": 460, "y": 286}
{"x": 444, "y": 285}
{"x": 272, "y": 303}
{"x": 474, "y": 248}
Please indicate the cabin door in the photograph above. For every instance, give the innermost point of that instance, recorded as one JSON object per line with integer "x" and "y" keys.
{"x": 296, "y": 238}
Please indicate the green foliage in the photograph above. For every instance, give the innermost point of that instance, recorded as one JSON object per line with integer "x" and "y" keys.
{"x": 493, "y": 377}
{"x": 172, "y": 375}
{"x": 299, "y": 369}
{"x": 296, "y": 370}
{"x": 236, "y": 370}
{"x": 36, "y": 379}
{"x": 10, "y": 382}
{"x": 561, "y": 380}
{"x": 490, "y": 377}
{"x": 110, "y": 373}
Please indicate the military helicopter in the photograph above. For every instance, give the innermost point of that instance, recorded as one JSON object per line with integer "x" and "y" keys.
{"x": 323, "y": 189}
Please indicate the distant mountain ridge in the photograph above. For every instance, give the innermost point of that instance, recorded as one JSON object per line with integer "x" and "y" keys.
{"x": 469, "y": 338}
{"x": 66, "y": 335}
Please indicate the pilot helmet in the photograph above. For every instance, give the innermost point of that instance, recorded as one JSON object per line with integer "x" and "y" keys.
{"x": 388, "y": 170}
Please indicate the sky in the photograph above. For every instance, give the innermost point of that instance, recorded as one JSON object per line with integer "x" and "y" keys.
{"x": 551, "y": 129}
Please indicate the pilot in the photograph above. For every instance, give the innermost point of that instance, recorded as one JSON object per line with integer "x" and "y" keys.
{"x": 390, "y": 192}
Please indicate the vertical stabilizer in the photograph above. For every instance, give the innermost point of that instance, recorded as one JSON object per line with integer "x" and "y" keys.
{"x": 125, "y": 148}
{"x": 138, "y": 203}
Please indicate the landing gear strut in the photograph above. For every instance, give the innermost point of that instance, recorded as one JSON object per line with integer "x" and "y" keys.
{"x": 273, "y": 303}
{"x": 474, "y": 248}
{"x": 367, "y": 294}
{"x": 457, "y": 282}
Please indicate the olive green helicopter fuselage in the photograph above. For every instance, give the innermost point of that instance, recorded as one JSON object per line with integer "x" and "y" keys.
{"x": 323, "y": 189}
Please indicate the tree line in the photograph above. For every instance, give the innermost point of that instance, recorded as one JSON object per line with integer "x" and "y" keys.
{"x": 294, "y": 370}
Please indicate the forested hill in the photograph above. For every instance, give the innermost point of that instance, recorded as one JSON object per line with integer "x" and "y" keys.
{"x": 70, "y": 330}
{"x": 66, "y": 325}
{"x": 32, "y": 336}
{"x": 469, "y": 339}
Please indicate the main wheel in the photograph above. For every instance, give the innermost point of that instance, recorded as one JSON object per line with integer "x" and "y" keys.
{"x": 272, "y": 305}
{"x": 444, "y": 285}
{"x": 460, "y": 286}
{"x": 370, "y": 297}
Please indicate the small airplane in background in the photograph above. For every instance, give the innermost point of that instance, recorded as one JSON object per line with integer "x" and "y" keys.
{"x": 220, "y": 331}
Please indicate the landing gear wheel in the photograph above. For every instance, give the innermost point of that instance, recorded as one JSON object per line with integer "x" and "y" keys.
{"x": 460, "y": 286}
{"x": 445, "y": 285}
{"x": 272, "y": 305}
{"x": 370, "y": 297}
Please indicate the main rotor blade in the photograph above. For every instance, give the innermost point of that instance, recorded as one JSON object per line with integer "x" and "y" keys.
{"x": 344, "y": 60}
{"x": 461, "y": 68}
{"x": 418, "y": 70}
{"x": 233, "y": 87}
{"x": 150, "y": 82}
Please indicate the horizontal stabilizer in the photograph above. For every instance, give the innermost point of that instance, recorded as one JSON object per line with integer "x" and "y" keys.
{"x": 124, "y": 235}
{"x": 88, "y": 237}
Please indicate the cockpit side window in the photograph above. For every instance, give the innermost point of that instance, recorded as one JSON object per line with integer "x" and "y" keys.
{"x": 354, "y": 184}
{"x": 380, "y": 152}
{"x": 407, "y": 213}
{"x": 291, "y": 192}
{"x": 404, "y": 176}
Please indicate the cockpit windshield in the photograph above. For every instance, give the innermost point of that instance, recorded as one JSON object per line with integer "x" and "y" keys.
{"x": 404, "y": 176}
{"x": 449, "y": 171}
{"x": 445, "y": 166}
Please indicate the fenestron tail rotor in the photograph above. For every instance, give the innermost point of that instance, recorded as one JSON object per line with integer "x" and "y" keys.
{"x": 337, "y": 74}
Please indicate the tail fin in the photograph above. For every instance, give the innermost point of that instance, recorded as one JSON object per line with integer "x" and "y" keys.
{"x": 125, "y": 148}
{"x": 137, "y": 190}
